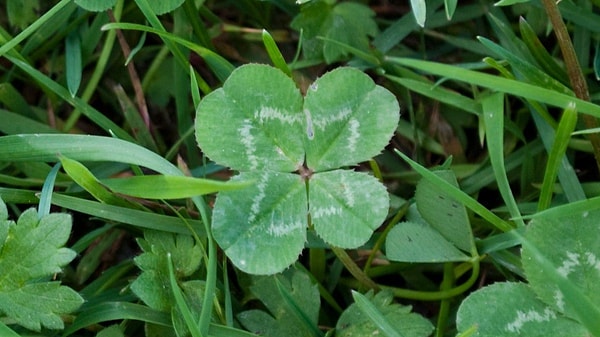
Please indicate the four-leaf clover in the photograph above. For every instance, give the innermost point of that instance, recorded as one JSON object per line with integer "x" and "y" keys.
{"x": 293, "y": 147}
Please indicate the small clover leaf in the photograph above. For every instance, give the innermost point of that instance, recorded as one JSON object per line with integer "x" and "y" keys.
{"x": 30, "y": 252}
{"x": 292, "y": 147}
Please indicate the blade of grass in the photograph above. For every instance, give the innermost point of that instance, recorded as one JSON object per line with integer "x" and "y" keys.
{"x": 375, "y": 315}
{"x": 295, "y": 308}
{"x": 133, "y": 217}
{"x": 93, "y": 114}
{"x": 32, "y": 27}
{"x": 508, "y": 86}
{"x": 566, "y": 126}
{"x": 7, "y": 332}
{"x": 493, "y": 113}
{"x": 46, "y": 195}
{"x": 169, "y": 187}
{"x": 46, "y": 147}
{"x": 457, "y": 194}
{"x": 275, "y": 53}
{"x": 73, "y": 65}
{"x": 13, "y": 123}
{"x": 180, "y": 301}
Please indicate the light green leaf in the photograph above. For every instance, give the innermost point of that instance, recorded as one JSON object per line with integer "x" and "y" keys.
{"x": 96, "y": 5}
{"x": 292, "y": 301}
{"x": 419, "y": 242}
{"x": 73, "y": 64}
{"x": 347, "y": 23}
{"x": 169, "y": 187}
{"x": 398, "y": 319}
{"x": 249, "y": 115}
{"x": 445, "y": 214}
{"x": 153, "y": 285}
{"x": 352, "y": 203}
{"x": 513, "y": 309}
{"x": 419, "y": 8}
{"x": 262, "y": 228}
{"x": 30, "y": 251}
{"x": 22, "y": 13}
{"x": 569, "y": 242}
{"x": 349, "y": 119}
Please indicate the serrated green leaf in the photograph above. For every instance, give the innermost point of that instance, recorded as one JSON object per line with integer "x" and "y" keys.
{"x": 153, "y": 285}
{"x": 96, "y": 5}
{"x": 249, "y": 113}
{"x": 352, "y": 202}
{"x": 445, "y": 214}
{"x": 30, "y": 251}
{"x": 354, "y": 322}
{"x": 516, "y": 311}
{"x": 346, "y": 22}
{"x": 284, "y": 318}
{"x": 349, "y": 119}
{"x": 569, "y": 242}
{"x": 419, "y": 242}
{"x": 262, "y": 228}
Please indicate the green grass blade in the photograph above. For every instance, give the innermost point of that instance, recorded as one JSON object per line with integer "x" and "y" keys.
{"x": 18, "y": 196}
{"x": 457, "y": 194}
{"x": 93, "y": 114}
{"x": 133, "y": 217}
{"x": 375, "y": 315}
{"x": 46, "y": 195}
{"x": 566, "y": 126}
{"x": 169, "y": 187}
{"x": 180, "y": 301}
{"x": 219, "y": 65}
{"x": 46, "y": 147}
{"x": 275, "y": 53}
{"x": 508, "y": 86}
{"x": 7, "y": 332}
{"x": 73, "y": 64}
{"x": 110, "y": 311}
{"x": 493, "y": 112}
{"x": 295, "y": 308}
{"x": 13, "y": 124}
{"x": 33, "y": 27}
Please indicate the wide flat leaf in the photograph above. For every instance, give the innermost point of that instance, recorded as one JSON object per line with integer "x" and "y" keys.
{"x": 419, "y": 242}
{"x": 354, "y": 322}
{"x": 262, "y": 228}
{"x": 348, "y": 202}
{"x": 254, "y": 122}
{"x": 350, "y": 119}
{"x": 513, "y": 309}
{"x": 446, "y": 215}
{"x": 31, "y": 251}
{"x": 292, "y": 301}
{"x": 570, "y": 243}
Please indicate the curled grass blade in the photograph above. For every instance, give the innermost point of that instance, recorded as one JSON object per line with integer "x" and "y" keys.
{"x": 46, "y": 195}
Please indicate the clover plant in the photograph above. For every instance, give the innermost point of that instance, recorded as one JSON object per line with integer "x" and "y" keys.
{"x": 294, "y": 148}
{"x": 562, "y": 296}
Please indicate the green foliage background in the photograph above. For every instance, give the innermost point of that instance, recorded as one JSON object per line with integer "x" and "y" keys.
{"x": 492, "y": 171}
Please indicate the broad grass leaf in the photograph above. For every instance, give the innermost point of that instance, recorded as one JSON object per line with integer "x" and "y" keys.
{"x": 354, "y": 322}
{"x": 346, "y": 206}
{"x": 292, "y": 301}
{"x": 262, "y": 228}
{"x": 350, "y": 119}
{"x": 512, "y": 309}
{"x": 570, "y": 243}
{"x": 258, "y": 118}
{"x": 30, "y": 251}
